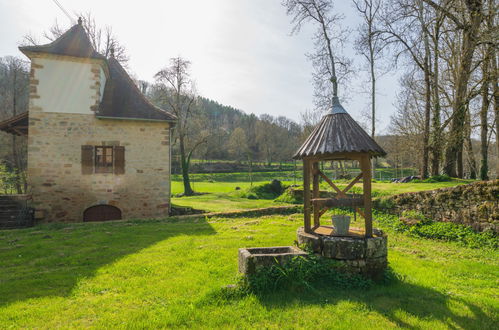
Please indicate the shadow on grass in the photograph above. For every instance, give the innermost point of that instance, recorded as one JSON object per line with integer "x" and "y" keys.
{"x": 399, "y": 302}
{"x": 49, "y": 260}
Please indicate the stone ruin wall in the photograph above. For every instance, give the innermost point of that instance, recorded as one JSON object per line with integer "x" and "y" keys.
{"x": 475, "y": 204}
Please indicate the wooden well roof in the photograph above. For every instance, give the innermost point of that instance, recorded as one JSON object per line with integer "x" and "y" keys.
{"x": 338, "y": 132}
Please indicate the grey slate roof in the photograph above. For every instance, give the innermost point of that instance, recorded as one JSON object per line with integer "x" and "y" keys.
{"x": 338, "y": 132}
{"x": 123, "y": 99}
{"x": 74, "y": 42}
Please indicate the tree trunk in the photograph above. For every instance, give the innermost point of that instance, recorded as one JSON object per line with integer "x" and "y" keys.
{"x": 469, "y": 148}
{"x": 184, "y": 162}
{"x": 484, "y": 127}
{"x": 495, "y": 82}
{"x": 436, "y": 143}
{"x": 453, "y": 152}
{"x": 427, "y": 80}
{"x": 426, "y": 133}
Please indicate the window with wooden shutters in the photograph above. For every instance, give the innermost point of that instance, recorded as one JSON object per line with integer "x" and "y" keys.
{"x": 87, "y": 159}
{"x": 103, "y": 159}
{"x": 119, "y": 160}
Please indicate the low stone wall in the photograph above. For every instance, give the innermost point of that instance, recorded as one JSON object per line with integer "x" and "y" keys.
{"x": 475, "y": 204}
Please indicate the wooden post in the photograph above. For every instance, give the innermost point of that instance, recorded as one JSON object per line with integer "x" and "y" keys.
{"x": 365, "y": 163}
{"x": 306, "y": 195}
{"x": 315, "y": 193}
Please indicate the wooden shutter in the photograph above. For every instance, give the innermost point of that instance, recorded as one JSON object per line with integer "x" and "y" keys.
{"x": 87, "y": 159}
{"x": 119, "y": 160}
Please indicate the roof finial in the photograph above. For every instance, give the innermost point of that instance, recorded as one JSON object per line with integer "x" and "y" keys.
{"x": 111, "y": 51}
{"x": 80, "y": 21}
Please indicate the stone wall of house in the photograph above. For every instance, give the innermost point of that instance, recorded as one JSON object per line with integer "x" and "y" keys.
{"x": 475, "y": 204}
{"x": 61, "y": 192}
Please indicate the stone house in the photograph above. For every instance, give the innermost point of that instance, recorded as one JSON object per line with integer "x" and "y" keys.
{"x": 97, "y": 148}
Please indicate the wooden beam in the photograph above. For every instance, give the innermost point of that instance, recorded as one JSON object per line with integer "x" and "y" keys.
{"x": 324, "y": 210}
{"x": 306, "y": 196}
{"x": 359, "y": 211}
{"x": 338, "y": 190}
{"x": 350, "y": 185}
{"x": 315, "y": 191}
{"x": 365, "y": 164}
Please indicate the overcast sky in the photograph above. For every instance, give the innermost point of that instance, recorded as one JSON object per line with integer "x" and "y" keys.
{"x": 241, "y": 51}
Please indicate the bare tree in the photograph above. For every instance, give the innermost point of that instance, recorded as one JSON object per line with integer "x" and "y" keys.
{"x": 102, "y": 38}
{"x": 329, "y": 65}
{"x": 405, "y": 25}
{"x": 466, "y": 15}
{"x": 176, "y": 89}
{"x": 370, "y": 46}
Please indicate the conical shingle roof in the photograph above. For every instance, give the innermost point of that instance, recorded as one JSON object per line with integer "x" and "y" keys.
{"x": 338, "y": 132}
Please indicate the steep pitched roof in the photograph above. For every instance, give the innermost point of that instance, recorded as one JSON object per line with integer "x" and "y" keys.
{"x": 123, "y": 99}
{"x": 74, "y": 42}
{"x": 338, "y": 132}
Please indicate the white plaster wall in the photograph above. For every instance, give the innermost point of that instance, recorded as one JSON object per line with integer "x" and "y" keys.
{"x": 64, "y": 86}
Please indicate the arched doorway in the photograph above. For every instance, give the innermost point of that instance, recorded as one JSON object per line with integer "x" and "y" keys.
{"x": 102, "y": 213}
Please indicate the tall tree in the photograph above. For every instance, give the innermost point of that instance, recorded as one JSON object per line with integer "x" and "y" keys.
{"x": 405, "y": 25}
{"x": 370, "y": 46}
{"x": 176, "y": 89}
{"x": 467, "y": 20}
{"x": 329, "y": 65}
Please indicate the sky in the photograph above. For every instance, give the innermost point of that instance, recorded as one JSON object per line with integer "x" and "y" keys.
{"x": 242, "y": 51}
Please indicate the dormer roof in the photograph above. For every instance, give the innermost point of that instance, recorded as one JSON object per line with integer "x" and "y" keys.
{"x": 336, "y": 133}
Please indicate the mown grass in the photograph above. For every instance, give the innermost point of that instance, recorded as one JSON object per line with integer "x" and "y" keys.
{"x": 221, "y": 194}
{"x": 153, "y": 274}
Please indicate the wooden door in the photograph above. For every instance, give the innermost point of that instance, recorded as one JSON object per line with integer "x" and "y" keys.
{"x": 102, "y": 213}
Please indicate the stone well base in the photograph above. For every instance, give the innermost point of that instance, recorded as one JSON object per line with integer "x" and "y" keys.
{"x": 367, "y": 256}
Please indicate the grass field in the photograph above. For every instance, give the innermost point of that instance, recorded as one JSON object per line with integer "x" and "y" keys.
{"x": 221, "y": 194}
{"x": 152, "y": 274}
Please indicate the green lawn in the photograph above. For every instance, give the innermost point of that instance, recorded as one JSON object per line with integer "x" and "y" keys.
{"x": 221, "y": 193}
{"x": 152, "y": 274}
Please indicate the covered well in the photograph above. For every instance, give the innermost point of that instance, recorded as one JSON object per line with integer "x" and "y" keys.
{"x": 337, "y": 137}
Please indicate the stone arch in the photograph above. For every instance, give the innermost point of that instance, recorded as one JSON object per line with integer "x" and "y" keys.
{"x": 103, "y": 212}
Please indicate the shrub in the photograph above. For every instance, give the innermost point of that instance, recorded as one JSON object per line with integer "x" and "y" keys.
{"x": 446, "y": 231}
{"x": 289, "y": 196}
{"x": 265, "y": 191}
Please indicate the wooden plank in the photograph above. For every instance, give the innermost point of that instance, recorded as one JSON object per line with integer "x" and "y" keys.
{"x": 315, "y": 192}
{"x": 366, "y": 169}
{"x": 329, "y": 231}
{"x": 306, "y": 195}
{"x": 323, "y": 230}
{"x": 350, "y": 185}
{"x": 337, "y": 202}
